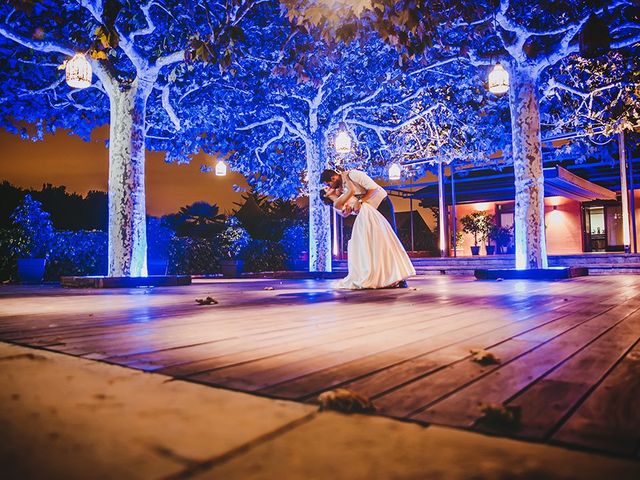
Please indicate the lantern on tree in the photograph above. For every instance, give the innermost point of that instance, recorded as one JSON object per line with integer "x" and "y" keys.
{"x": 78, "y": 72}
{"x": 221, "y": 169}
{"x": 343, "y": 140}
{"x": 498, "y": 80}
{"x": 394, "y": 172}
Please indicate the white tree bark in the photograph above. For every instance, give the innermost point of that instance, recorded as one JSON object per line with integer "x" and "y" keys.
{"x": 127, "y": 211}
{"x": 319, "y": 213}
{"x": 531, "y": 248}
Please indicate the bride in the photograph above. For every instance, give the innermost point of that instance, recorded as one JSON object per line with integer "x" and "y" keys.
{"x": 376, "y": 258}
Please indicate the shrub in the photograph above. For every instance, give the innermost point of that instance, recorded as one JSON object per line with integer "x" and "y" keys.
{"x": 159, "y": 236}
{"x": 295, "y": 242}
{"x": 12, "y": 243}
{"x": 233, "y": 239}
{"x": 194, "y": 256}
{"x": 36, "y": 228}
{"x": 263, "y": 256}
{"x": 77, "y": 253}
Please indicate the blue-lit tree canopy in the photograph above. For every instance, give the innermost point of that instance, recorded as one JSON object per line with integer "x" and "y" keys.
{"x": 137, "y": 52}
{"x": 269, "y": 84}
{"x": 526, "y": 37}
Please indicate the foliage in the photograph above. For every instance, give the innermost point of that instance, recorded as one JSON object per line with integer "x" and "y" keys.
{"x": 36, "y": 226}
{"x": 263, "y": 256}
{"x": 267, "y": 219}
{"x": 12, "y": 243}
{"x": 200, "y": 219}
{"x": 70, "y": 253}
{"x": 69, "y": 211}
{"x": 501, "y": 235}
{"x": 233, "y": 239}
{"x": 77, "y": 253}
{"x": 295, "y": 242}
{"x": 194, "y": 256}
{"x": 159, "y": 236}
{"x": 477, "y": 224}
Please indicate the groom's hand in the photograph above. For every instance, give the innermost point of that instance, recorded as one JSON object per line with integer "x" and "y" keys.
{"x": 347, "y": 209}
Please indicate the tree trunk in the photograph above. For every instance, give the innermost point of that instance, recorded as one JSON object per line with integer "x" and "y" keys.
{"x": 319, "y": 213}
{"x": 127, "y": 212}
{"x": 531, "y": 248}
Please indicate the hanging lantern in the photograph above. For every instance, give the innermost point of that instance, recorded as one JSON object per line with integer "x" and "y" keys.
{"x": 343, "y": 140}
{"x": 221, "y": 169}
{"x": 78, "y": 72}
{"x": 498, "y": 80}
{"x": 394, "y": 172}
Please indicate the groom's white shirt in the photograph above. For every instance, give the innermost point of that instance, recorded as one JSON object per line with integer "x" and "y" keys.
{"x": 363, "y": 183}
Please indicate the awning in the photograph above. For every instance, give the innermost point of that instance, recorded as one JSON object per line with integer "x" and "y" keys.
{"x": 487, "y": 186}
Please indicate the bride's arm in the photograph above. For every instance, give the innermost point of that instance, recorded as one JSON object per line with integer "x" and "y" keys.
{"x": 342, "y": 200}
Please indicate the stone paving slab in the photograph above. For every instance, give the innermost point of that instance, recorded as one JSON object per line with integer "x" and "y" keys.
{"x": 337, "y": 447}
{"x": 63, "y": 417}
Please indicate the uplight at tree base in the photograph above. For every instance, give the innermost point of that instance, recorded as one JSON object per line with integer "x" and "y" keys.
{"x": 78, "y": 72}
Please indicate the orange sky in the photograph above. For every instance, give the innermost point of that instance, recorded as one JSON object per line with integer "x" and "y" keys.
{"x": 82, "y": 166}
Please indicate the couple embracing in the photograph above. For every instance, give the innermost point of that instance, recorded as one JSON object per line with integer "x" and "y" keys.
{"x": 377, "y": 259}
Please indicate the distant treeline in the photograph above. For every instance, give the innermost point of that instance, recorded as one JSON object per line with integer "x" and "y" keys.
{"x": 69, "y": 211}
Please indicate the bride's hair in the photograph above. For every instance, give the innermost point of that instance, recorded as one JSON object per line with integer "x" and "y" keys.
{"x": 325, "y": 198}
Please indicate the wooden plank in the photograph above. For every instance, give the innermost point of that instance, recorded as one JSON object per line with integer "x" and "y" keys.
{"x": 461, "y": 407}
{"x": 387, "y": 369}
{"x": 545, "y": 405}
{"x": 609, "y": 419}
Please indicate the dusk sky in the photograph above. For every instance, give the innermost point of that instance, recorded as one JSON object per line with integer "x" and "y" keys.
{"x": 82, "y": 166}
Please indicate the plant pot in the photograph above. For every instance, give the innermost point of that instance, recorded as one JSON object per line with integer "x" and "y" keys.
{"x": 511, "y": 250}
{"x": 157, "y": 267}
{"x": 231, "y": 268}
{"x": 31, "y": 270}
{"x": 475, "y": 250}
{"x": 491, "y": 249}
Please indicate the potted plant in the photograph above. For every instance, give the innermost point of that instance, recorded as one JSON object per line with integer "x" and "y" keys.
{"x": 457, "y": 243}
{"x": 503, "y": 238}
{"x": 36, "y": 230}
{"x": 475, "y": 224}
{"x": 491, "y": 233}
{"x": 233, "y": 239}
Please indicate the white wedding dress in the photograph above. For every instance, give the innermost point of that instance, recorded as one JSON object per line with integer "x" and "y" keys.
{"x": 377, "y": 259}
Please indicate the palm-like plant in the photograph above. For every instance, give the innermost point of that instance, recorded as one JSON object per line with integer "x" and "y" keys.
{"x": 200, "y": 219}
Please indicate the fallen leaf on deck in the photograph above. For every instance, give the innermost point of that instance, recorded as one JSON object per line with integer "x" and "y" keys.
{"x": 483, "y": 357}
{"x": 346, "y": 401}
{"x": 501, "y": 416}
{"x": 206, "y": 301}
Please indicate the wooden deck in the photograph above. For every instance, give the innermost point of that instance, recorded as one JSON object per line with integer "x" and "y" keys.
{"x": 569, "y": 351}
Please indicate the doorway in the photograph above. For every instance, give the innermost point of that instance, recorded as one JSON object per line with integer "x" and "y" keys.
{"x": 602, "y": 226}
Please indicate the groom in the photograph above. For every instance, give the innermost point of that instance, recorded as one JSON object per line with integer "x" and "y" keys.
{"x": 366, "y": 191}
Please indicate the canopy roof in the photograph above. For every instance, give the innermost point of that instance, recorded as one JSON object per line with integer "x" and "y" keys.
{"x": 490, "y": 185}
